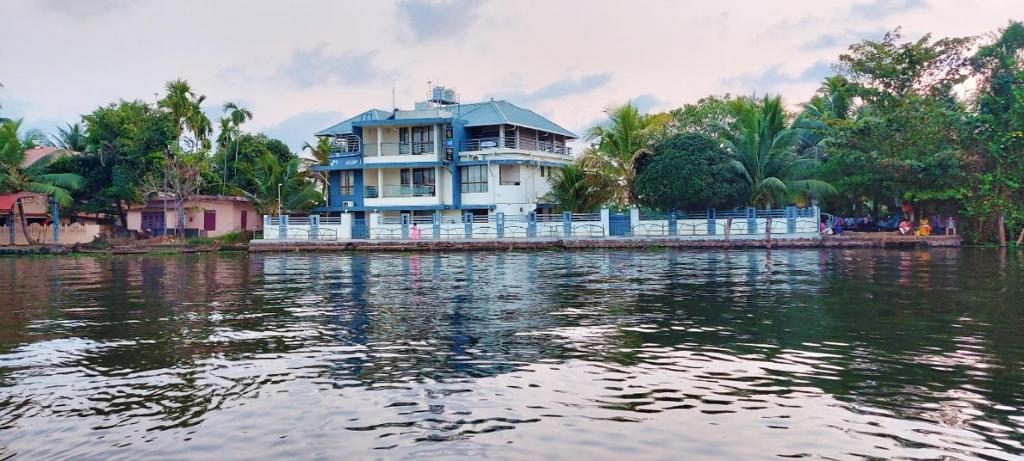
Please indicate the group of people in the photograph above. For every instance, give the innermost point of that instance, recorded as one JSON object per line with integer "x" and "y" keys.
{"x": 928, "y": 226}
{"x": 934, "y": 225}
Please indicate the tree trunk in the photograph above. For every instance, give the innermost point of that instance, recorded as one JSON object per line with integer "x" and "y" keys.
{"x": 24, "y": 225}
{"x": 1020, "y": 240}
{"x": 179, "y": 211}
{"x": 1002, "y": 230}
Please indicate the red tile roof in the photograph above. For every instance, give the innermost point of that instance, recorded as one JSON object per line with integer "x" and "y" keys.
{"x": 7, "y": 200}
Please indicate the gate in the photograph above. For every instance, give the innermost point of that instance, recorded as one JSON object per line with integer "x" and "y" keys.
{"x": 618, "y": 224}
{"x": 360, "y": 230}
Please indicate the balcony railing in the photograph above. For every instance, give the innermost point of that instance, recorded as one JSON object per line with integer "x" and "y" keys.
{"x": 399, "y": 148}
{"x": 400, "y": 191}
{"x": 514, "y": 142}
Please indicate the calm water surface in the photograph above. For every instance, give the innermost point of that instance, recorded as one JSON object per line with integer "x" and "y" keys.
{"x": 544, "y": 355}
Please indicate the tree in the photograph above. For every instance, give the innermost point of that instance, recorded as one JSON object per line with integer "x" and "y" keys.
{"x": 186, "y": 110}
{"x": 14, "y": 177}
{"x": 181, "y": 179}
{"x": 576, "y": 189}
{"x": 237, "y": 115}
{"x": 627, "y": 136}
{"x": 688, "y": 171}
{"x": 125, "y": 143}
{"x": 71, "y": 138}
{"x": 250, "y": 148}
{"x": 762, "y": 145}
{"x": 707, "y": 116}
{"x": 297, "y": 193}
{"x": 320, "y": 152}
{"x": 996, "y": 134}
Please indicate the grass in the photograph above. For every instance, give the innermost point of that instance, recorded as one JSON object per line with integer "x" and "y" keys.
{"x": 231, "y": 238}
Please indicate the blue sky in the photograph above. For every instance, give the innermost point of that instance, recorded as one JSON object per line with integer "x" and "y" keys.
{"x": 301, "y": 66}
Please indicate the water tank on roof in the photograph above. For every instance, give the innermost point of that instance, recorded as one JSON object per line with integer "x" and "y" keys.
{"x": 443, "y": 96}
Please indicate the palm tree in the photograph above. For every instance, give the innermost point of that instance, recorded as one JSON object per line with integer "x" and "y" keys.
{"x": 763, "y": 149}
{"x": 296, "y": 191}
{"x": 578, "y": 190}
{"x": 186, "y": 109}
{"x": 33, "y": 178}
{"x": 320, "y": 152}
{"x": 628, "y": 136}
{"x": 237, "y": 115}
{"x": 71, "y": 138}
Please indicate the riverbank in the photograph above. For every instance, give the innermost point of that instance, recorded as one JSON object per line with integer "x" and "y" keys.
{"x": 39, "y": 250}
{"x": 850, "y": 240}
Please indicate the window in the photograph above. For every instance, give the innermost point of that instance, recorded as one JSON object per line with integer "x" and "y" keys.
{"x": 420, "y": 181}
{"x": 347, "y": 182}
{"x": 474, "y": 178}
{"x": 543, "y": 171}
{"x": 508, "y": 175}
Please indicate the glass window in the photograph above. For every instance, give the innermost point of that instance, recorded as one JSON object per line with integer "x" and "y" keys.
{"x": 346, "y": 182}
{"x": 508, "y": 175}
{"x": 474, "y": 178}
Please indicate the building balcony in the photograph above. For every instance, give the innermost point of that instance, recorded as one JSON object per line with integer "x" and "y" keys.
{"x": 399, "y": 148}
{"x": 515, "y": 143}
{"x": 392, "y": 191}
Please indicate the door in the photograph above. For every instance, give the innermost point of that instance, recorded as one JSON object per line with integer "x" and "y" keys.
{"x": 245, "y": 220}
{"x": 618, "y": 224}
{"x": 153, "y": 221}
{"x": 210, "y": 220}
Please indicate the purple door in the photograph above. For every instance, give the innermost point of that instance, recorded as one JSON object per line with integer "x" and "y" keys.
{"x": 153, "y": 221}
{"x": 245, "y": 220}
{"x": 210, "y": 220}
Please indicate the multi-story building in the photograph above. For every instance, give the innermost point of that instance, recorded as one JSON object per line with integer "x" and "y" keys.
{"x": 443, "y": 156}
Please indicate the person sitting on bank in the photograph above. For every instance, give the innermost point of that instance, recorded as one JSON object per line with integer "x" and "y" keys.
{"x": 924, "y": 229}
{"x": 950, "y": 226}
{"x": 414, "y": 233}
{"x": 905, "y": 226}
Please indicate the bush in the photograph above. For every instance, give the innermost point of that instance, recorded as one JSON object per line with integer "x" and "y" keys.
{"x": 688, "y": 172}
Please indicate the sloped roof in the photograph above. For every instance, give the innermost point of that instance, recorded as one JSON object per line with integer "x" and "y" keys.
{"x": 345, "y": 127}
{"x": 7, "y": 200}
{"x": 498, "y": 112}
{"x": 494, "y": 112}
{"x": 34, "y": 155}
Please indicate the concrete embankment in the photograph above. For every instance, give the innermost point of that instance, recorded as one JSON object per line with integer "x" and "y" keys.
{"x": 846, "y": 241}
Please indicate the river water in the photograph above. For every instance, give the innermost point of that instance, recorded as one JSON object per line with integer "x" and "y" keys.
{"x": 520, "y": 355}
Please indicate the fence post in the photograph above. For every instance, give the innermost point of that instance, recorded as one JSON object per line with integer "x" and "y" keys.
{"x": 345, "y": 229}
{"x": 606, "y": 221}
{"x": 673, "y": 229}
{"x": 712, "y": 226}
{"x": 314, "y": 227}
{"x": 751, "y": 220}
{"x": 500, "y": 222}
{"x": 437, "y": 224}
{"x": 531, "y": 224}
{"x": 634, "y": 219}
{"x": 282, "y": 226}
{"x": 405, "y": 217}
{"x": 567, "y": 224}
{"x": 10, "y": 230}
{"x": 56, "y": 222}
{"x": 467, "y": 220}
{"x": 791, "y": 219}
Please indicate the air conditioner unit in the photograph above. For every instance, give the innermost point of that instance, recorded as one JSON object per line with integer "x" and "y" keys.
{"x": 476, "y": 158}
{"x": 348, "y": 204}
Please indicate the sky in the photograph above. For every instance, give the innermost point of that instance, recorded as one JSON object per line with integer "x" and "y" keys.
{"x": 303, "y": 65}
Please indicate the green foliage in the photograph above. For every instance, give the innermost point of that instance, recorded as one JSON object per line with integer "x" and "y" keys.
{"x": 37, "y": 177}
{"x": 688, "y": 171}
{"x": 579, "y": 190}
{"x": 242, "y": 154}
{"x": 267, "y": 173}
{"x": 627, "y": 136}
{"x": 709, "y": 116}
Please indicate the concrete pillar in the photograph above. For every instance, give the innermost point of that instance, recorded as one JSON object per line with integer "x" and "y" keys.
{"x": 501, "y": 136}
{"x": 500, "y": 223}
{"x": 372, "y": 224}
{"x": 712, "y": 225}
{"x": 380, "y": 182}
{"x": 380, "y": 142}
{"x": 606, "y": 221}
{"x": 56, "y": 222}
{"x": 791, "y": 219}
{"x": 345, "y": 231}
{"x": 673, "y": 228}
{"x": 406, "y": 221}
{"x": 634, "y": 219}
{"x": 531, "y": 224}
{"x": 282, "y": 226}
{"x": 751, "y": 220}
{"x": 437, "y": 225}
{"x": 314, "y": 227}
{"x": 566, "y": 224}
{"x": 467, "y": 221}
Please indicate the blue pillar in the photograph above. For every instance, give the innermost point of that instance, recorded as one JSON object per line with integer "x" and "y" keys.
{"x": 405, "y": 225}
{"x": 437, "y": 224}
{"x": 531, "y": 225}
{"x": 10, "y": 227}
{"x": 751, "y": 220}
{"x": 791, "y": 219}
{"x": 672, "y": 225}
{"x": 500, "y": 222}
{"x": 56, "y": 221}
{"x": 314, "y": 227}
{"x": 282, "y": 226}
{"x": 467, "y": 220}
{"x": 712, "y": 215}
{"x": 567, "y": 224}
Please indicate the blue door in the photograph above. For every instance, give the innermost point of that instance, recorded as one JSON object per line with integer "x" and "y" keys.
{"x": 618, "y": 224}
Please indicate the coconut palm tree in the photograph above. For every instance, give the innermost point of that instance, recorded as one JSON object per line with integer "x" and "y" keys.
{"x": 14, "y": 177}
{"x": 71, "y": 138}
{"x": 576, "y": 189}
{"x": 617, "y": 146}
{"x": 297, "y": 193}
{"x": 186, "y": 108}
{"x": 762, "y": 144}
{"x": 320, "y": 151}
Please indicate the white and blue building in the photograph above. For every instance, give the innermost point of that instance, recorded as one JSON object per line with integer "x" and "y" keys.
{"x": 443, "y": 157}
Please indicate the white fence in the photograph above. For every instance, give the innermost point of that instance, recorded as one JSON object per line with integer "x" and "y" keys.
{"x": 785, "y": 223}
{"x": 43, "y": 234}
